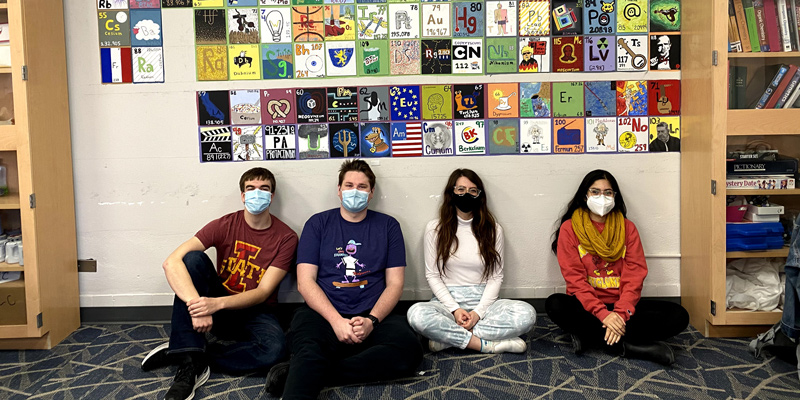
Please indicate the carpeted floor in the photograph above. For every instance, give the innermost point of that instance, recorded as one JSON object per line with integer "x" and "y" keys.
{"x": 102, "y": 362}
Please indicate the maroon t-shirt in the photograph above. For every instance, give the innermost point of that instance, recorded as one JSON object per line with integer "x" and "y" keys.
{"x": 244, "y": 253}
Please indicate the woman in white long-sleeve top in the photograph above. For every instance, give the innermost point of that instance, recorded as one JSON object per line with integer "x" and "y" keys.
{"x": 464, "y": 268}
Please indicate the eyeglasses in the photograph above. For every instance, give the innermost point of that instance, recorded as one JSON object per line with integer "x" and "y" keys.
{"x": 462, "y": 190}
{"x": 598, "y": 192}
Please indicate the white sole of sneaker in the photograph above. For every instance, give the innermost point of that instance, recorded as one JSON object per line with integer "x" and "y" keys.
{"x": 155, "y": 351}
{"x": 200, "y": 381}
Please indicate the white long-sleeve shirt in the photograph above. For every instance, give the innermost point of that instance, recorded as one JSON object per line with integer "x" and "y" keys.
{"x": 465, "y": 267}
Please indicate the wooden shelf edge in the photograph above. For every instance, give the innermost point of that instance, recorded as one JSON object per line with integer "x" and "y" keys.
{"x": 10, "y": 201}
{"x": 769, "y": 54}
{"x": 784, "y": 252}
{"x": 745, "y": 317}
{"x": 11, "y": 267}
{"x": 756, "y": 192}
{"x": 763, "y": 122}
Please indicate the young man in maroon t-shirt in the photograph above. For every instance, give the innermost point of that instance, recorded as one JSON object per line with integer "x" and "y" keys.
{"x": 232, "y": 301}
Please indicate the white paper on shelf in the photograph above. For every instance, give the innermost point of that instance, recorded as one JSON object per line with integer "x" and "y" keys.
{"x": 9, "y": 276}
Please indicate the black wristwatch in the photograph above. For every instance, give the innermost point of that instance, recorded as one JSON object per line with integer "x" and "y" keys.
{"x": 374, "y": 320}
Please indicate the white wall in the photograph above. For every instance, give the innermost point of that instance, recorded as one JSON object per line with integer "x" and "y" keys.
{"x": 140, "y": 189}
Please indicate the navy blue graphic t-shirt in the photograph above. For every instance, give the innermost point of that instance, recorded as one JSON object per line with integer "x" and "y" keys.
{"x": 352, "y": 257}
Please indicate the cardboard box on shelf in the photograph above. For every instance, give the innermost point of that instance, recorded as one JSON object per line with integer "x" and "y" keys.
{"x": 12, "y": 303}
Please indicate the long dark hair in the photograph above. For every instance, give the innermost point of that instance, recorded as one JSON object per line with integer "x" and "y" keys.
{"x": 483, "y": 226}
{"x": 579, "y": 200}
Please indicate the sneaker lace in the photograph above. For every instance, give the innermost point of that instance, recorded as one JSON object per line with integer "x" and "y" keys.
{"x": 185, "y": 373}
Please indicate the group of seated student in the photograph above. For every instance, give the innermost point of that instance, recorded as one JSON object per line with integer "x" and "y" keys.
{"x": 350, "y": 271}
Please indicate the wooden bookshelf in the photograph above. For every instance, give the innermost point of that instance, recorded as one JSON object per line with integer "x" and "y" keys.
{"x": 10, "y": 267}
{"x": 761, "y": 192}
{"x": 784, "y": 252}
{"x": 763, "y": 122}
{"x": 770, "y": 54}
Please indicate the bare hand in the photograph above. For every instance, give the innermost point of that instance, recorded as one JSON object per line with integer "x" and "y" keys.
{"x": 344, "y": 331}
{"x": 204, "y": 306}
{"x": 611, "y": 337}
{"x": 202, "y": 324}
{"x": 473, "y": 320}
{"x": 462, "y": 317}
{"x": 362, "y": 327}
{"x": 614, "y": 322}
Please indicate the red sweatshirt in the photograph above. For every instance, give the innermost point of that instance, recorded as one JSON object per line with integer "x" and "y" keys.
{"x": 596, "y": 282}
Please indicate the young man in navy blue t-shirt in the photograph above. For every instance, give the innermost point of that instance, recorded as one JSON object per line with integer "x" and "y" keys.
{"x": 350, "y": 266}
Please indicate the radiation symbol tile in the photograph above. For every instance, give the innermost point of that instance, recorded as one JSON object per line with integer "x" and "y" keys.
{"x": 535, "y": 136}
{"x": 599, "y": 53}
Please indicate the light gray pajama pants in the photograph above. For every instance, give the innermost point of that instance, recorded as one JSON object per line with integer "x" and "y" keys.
{"x": 505, "y": 319}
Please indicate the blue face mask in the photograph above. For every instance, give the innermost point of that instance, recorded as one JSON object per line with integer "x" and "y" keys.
{"x": 257, "y": 200}
{"x": 354, "y": 200}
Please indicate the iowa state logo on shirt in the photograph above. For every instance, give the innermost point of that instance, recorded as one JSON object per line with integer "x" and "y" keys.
{"x": 238, "y": 272}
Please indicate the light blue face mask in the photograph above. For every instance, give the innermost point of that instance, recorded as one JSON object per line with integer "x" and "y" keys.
{"x": 257, "y": 200}
{"x": 354, "y": 200}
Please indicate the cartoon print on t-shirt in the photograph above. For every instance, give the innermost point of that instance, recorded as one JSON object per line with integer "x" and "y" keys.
{"x": 602, "y": 270}
{"x": 351, "y": 265}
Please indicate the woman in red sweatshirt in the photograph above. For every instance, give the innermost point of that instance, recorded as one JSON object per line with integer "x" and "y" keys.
{"x": 603, "y": 264}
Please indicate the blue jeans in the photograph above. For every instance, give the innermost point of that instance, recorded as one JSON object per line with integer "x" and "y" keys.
{"x": 790, "y": 322}
{"x": 257, "y": 339}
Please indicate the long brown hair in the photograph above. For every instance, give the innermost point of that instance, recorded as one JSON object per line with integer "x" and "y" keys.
{"x": 483, "y": 226}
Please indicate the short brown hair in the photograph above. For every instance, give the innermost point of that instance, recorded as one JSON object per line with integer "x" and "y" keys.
{"x": 357, "y": 165}
{"x": 257, "y": 173}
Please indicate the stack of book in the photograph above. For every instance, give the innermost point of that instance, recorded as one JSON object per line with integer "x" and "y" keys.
{"x": 763, "y": 25}
{"x": 765, "y": 170}
{"x": 782, "y": 91}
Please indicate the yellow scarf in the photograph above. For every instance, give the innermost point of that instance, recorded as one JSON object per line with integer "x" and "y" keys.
{"x": 609, "y": 245}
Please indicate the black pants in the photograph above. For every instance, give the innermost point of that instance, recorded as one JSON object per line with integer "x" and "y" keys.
{"x": 654, "y": 320}
{"x": 319, "y": 359}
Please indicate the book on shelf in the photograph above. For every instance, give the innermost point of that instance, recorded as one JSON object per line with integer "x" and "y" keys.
{"x": 782, "y": 165}
{"x": 741, "y": 23}
{"x": 794, "y": 99}
{"x": 791, "y": 12}
{"x": 789, "y": 90}
{"x": 734, "y": 43}
{"x": 752, "y": 28}
{"x": 763, "y": 155}
{"x": 773, "y": 33}
{"x": 783, "y": 24}
{"x": 773, "y": 84}
{"x": 737, "y": 86}
{"x": 760, "y": 182}
{"x": 782, "y": 85}
{"x": 761, "y": 24}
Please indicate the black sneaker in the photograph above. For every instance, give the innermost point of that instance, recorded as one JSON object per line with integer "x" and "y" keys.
{"x": 157, "y": 358}
{"x": 276, "y": 379}
{"x": 189, "y": 377}
{"x": 577, "y": 344}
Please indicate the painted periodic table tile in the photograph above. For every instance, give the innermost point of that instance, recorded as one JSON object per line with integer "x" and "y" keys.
{"x": 176, "y": 3}
{"x": 340, "y": 23}
{"x": 341, "y": 58}
{"x": 632, "y": 53}
{"x": 404, "y": 21}
{"x": 312, "y": 141}
{"x": 436, "y": 20}
{"x": 209, "y": 3}
{"x": 340, "y": 2}
{"x": 503, "y": 100}
{"x": 405, "y": 103}
{"x": 600, "y": 53}
{"x": 344, "y": 138}
{"x": 243, "y": 3}
{"x": 664, "y": 97}
{"x": 372, "y": 21}
{"x": 276, "y": 61}
{"x": 212, "y": 63}
{"x": 243, "y": 24}
{"x": 115, "y": 63}
{"x": 112, "y": 4}
{"x": 436, "y": 57}
{"x": 534, "y": 99}
{"x": 115, "y": 28}
{"x": 631, "y": 98}
{"x": 404, "y": 57}
{"x": 535, "y": 136}
{"x": 568, "y": 54}
{"x": 469, "y": 101}
{"x": 406, "y": 139}
{"x": 280, "y": 142}
{"x": 568, "y": 99}
{"x": 342, "y": 104}
{"x": 269, "y": 3}
{"x": 567, "y": 18}
{"x": 468, "y": 19}
{"x": 501, "y": 18}
{"x": 633, "y": 134}
{"x": 661, "y": 128}
{"x": 245, "y": 107}
{"x": 276, "y": 24}
{"x": 470, "y": 137}
{"x": 309, "y": 60}
{"x": 376, "y": 139}
{"x": 437, "y": 138}
{"x": 568, "y": 135}
{"x": 468, "y": 56}
{"x": 307, "y": 2}
{"x": 311, "y": 105}
{"x": 601, "y": 135}
{"x": 370, "y": 1}
{"x": 632, "y": 16}
{"x": 599, "y": 17}
{"x": 244, "y": 61}
{"x": 501, "y": 55}
{"x": 503, "y": 135}
{"x": 308, "y": 24}
{"x": 373, "y": 57}
{"x": 534, "y": 17}
{"x": 215, "y": 144}
{"x": 600, "y": 98}
{"x": 665, "y": 52}
{"x": 148, "y": 64}
{"x": 146, "y": 27}
{"x": 534, "y": 54}
{"x": 278, "y": 106}
{"x": 665, "y": 15}
{"x": 248, "y": 143}
{"x": 213, "y": 107}
{"x": 209, "y": 27}
{"x": 437, "y": 101}
{"x": 374, "y": 103}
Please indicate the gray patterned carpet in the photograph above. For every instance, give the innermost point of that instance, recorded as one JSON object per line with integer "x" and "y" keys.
{"x": 102, "y": 362}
